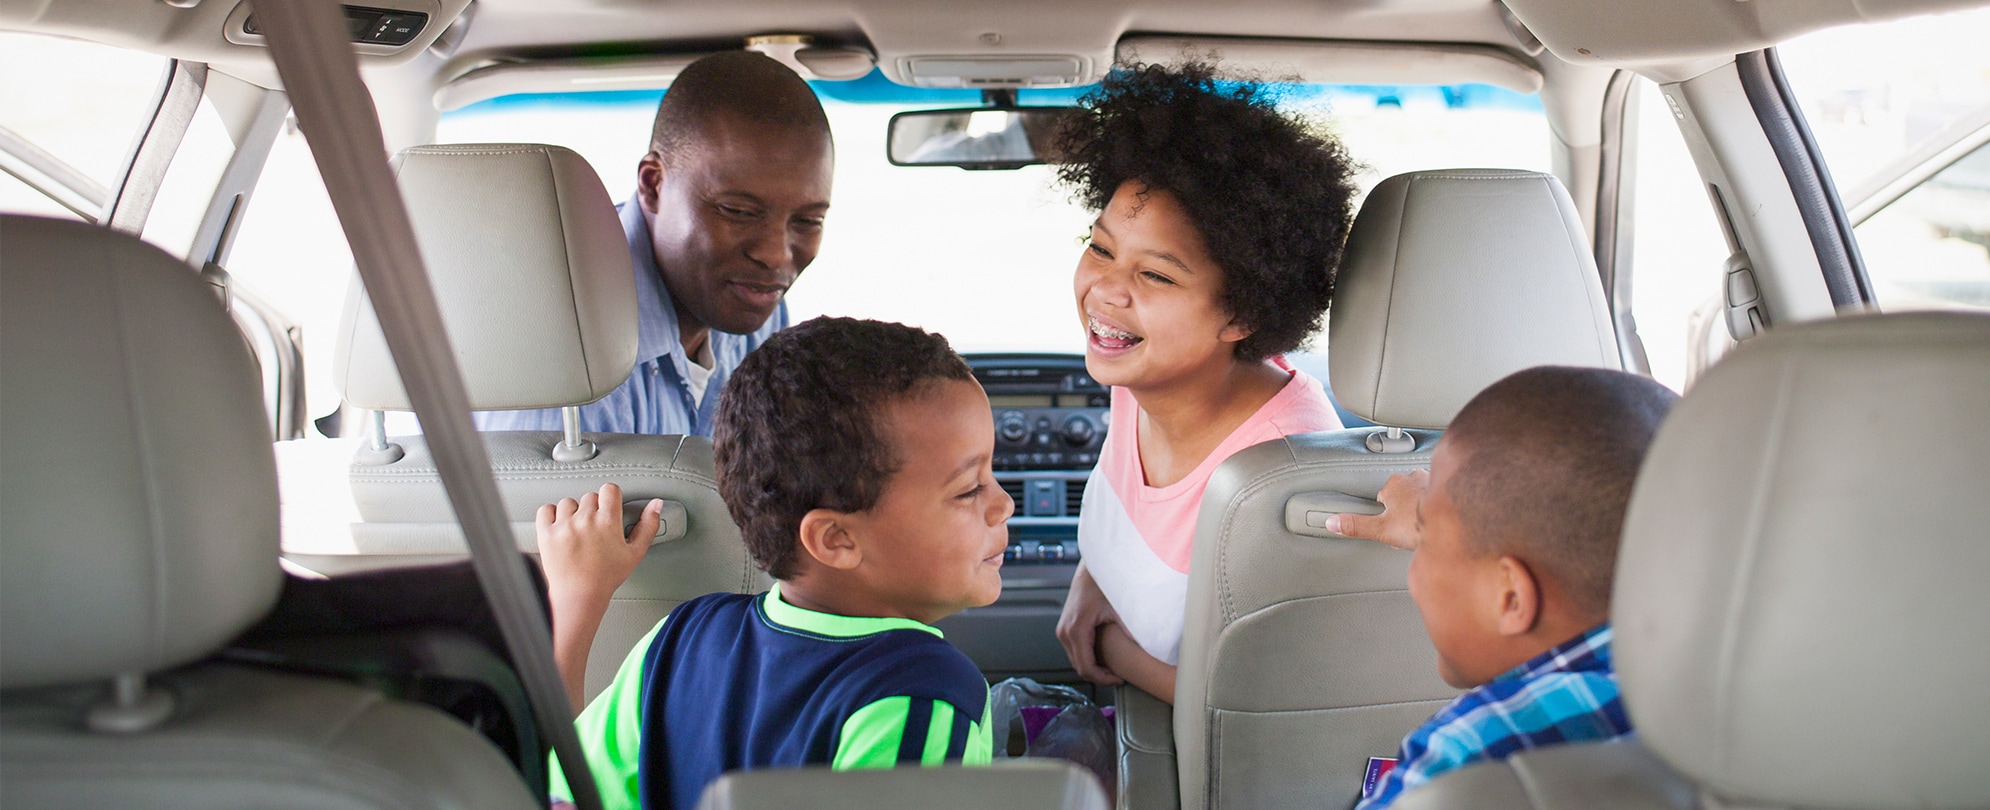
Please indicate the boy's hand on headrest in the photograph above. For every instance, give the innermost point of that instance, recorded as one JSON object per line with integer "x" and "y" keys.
{"x": 583, "y": 550}
{"x": 1397, "y": 525}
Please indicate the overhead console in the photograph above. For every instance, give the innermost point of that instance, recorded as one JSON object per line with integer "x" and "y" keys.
{"x": 375, "y": 27}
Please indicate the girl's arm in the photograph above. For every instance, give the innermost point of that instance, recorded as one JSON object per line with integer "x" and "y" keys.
{"x": 1124, "y": 656}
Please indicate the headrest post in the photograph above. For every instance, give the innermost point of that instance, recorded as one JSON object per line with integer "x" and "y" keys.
{"x": 378, "y": 452}
{"x": 572, "y": 447}
{"x": 133, "y": 707}
{"x": 1390, "y": 442}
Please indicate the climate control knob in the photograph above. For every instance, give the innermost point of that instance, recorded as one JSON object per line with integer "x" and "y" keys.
{"x": 1012, "y": 427}
{"x": 1079, "y": 431}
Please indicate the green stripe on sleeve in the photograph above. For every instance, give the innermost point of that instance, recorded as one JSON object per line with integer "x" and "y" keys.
{"x": 611, "y": 734}
{"x": 870, "y": 738}
{"x": 939, "y": 735}
{"x": 980, "y": 738}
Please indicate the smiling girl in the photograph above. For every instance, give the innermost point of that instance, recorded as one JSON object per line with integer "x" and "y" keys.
{"x": 1221, "y": 222}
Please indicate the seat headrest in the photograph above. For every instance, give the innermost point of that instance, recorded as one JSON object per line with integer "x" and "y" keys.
{"x": 530, "y": 268}
{"x": 139, "y": 491}
{"x": 1453, "y": 279}
{"x": 1799, "y": 599}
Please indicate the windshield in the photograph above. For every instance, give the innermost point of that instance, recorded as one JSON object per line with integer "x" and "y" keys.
{"x": 985, "y": 257}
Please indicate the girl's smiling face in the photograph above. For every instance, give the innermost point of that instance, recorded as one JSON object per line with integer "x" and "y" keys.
{"x": 1149, "y": 296}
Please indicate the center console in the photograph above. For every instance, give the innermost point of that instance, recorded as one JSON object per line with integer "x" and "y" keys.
{"x": 1051, "y": 419}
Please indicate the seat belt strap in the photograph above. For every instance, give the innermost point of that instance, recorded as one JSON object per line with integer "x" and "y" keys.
{"x": 307, "y": 39}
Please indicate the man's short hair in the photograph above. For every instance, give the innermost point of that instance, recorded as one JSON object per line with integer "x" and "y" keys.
{"x": 799, "y": 425}
{"x": 1550, "y": 455}
{"x": 744, "y": 85}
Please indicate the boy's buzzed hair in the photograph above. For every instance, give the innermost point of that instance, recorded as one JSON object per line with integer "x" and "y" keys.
{"x": 798, "y": 425}
{"x": 1550, "y": 455}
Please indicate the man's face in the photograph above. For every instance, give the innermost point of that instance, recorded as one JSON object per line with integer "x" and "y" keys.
{"x": 735, "y": 216}
{"x": 1455, "y": 587}
{"x": 933, "y": 543}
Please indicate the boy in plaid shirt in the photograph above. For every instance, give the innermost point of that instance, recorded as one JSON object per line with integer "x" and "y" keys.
{"x": 1515, "y": 532}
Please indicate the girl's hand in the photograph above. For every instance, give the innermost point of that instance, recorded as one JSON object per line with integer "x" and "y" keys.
{"x": 1085, "y": 609}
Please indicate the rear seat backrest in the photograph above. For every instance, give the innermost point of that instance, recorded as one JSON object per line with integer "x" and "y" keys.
{"x": 140, "y": 535}
{"x": 1799, "y": 601}
{"x": 534, "y": 279}
{"x": 1303, "y": 654}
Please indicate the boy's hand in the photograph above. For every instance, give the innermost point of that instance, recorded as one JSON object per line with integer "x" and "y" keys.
{"x": 586, "y": 557}
{"x": 583, "y": 549}
{"x": 1085, "y": 609}
{"x": 1397, "y": 525}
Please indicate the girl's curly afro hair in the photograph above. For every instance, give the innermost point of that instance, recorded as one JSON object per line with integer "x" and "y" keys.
{"x": 1272, "y": 195}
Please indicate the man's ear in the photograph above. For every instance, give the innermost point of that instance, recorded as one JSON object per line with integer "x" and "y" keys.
{"x": 825, "y": 536}
{"x": 1519, "y": 597}
{"x": 649, "y": 178}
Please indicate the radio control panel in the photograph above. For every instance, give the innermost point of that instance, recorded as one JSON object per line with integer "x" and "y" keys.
{"x": 1051, "y": 420}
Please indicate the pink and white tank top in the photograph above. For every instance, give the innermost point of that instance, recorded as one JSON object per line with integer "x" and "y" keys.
{"x": 1136, "y": 539}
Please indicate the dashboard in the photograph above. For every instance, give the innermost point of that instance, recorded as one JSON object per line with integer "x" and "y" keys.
{"x": 1051, "y": 420}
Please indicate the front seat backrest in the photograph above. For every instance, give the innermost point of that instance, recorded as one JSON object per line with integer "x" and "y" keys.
{"x": 1799, "y": 601}
{"x": 534, "y": 279}
{"x": 140, "y": 535}
{"x": 1303, "y": 654}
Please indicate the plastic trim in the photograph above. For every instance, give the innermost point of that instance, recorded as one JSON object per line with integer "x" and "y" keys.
{"x": 1761, "y": 74}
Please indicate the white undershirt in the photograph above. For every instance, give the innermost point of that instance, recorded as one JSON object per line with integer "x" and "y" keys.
{"x": 700, "y": 369}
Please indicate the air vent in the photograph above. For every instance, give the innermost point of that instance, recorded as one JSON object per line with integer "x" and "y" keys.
{"x": 1074, "y": 496}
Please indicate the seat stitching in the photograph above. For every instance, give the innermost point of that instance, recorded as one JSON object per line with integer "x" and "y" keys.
{"x": 573, "y": 289}
{"x": 1751, "y": 549}
{"x": 1331, "y": 709}
{"x": 1389, "y": 311}
{"x": 135, "y": 413}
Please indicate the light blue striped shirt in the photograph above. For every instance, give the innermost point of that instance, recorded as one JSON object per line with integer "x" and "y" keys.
{"x": 657, "y": 396}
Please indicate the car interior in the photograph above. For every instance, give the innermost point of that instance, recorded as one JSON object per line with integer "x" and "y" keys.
{"x": 251, "y": 300}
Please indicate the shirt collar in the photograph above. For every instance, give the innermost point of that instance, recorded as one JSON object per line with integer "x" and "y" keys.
{"x": 780, "y": 613}
{"x": 656, "y": 315}
{"x": 1586, "y": 652}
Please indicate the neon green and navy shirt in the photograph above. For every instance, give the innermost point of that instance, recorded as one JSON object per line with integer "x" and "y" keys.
{"x": 729, "y": 682}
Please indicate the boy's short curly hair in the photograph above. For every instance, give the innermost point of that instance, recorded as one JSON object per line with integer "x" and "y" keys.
{"x": 798, "y": 425}
{"x": 1272, "y": 195}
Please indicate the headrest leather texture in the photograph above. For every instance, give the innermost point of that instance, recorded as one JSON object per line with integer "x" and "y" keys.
{"x": 532, "y": 273}
{"x": 139, "y": 489}
{"x": 1453, "y": 279}
{"x": 1800, "y": 607}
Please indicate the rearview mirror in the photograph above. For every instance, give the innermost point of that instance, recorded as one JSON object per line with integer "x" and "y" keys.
{"x": 975, "y": 137}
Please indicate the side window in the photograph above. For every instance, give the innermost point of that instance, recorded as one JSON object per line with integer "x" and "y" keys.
{"x": 1677, "y": 249}
{"x": 293, "y": 255}
{"x": 1930, "y": 249}
{"x": 71, "y": 113}
{"x": 1891, "y": 103}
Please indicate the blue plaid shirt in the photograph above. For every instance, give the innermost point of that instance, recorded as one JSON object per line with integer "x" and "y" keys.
{"x": 1567, "y": 694}
{"x": 657, "y": 397}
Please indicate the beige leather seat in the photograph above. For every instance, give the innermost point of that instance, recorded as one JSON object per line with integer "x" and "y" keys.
{"x": 140, "y": 535}
{"x": 1800, "y": 610}
{"x": 1034, "y": 784}
{"x": 1303, "y": 654}
{"x": 533, "y": 276}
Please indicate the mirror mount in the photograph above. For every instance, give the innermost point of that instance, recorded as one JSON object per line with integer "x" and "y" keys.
{"x": 1001, "y": 98}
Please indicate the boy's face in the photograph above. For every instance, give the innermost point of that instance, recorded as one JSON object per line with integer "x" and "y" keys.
{"x": 1456, "y": 589}
{"x": 933, "y": 544}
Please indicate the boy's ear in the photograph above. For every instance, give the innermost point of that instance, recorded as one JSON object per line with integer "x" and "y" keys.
{"x": 1519, "y": 597}
{"x": 826, "y": 537}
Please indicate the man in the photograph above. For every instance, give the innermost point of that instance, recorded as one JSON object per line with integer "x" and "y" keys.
{"x": 727, "y": 213}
